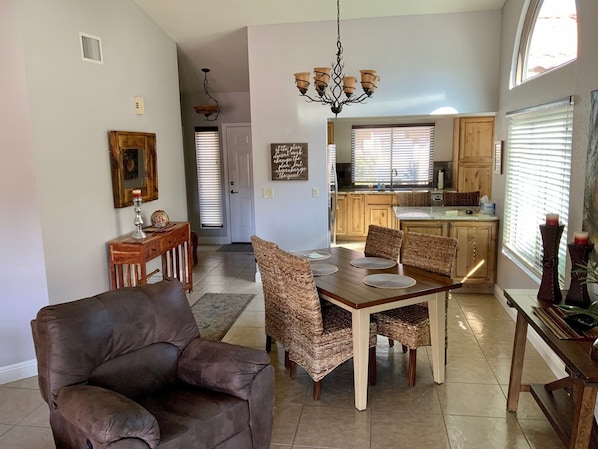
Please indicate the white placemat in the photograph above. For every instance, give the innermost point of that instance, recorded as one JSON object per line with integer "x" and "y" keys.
{"x": 389, "y": 280}
{"x": 313, "y": 256}
{"x": 322, "y": 269}
{"x": 376, "y": 263}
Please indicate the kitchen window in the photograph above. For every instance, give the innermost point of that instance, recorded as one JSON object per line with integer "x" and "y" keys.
{"x": 538, "y": 168}
{"x": 394, "y": 156}
{"x": 209, "y": 176}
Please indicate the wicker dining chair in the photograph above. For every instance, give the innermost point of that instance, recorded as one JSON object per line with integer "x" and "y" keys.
{"x": 410, "y": 325}
{"x": 383, "y": 242}
{"x": 277, "y": 325}
{"x": 321, "y": 337}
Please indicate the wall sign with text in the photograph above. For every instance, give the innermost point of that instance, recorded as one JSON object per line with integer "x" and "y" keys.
{"x": 289, "y": 161}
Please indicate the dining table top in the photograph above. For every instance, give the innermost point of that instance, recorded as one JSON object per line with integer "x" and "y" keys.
{"x": 347, "y": 286}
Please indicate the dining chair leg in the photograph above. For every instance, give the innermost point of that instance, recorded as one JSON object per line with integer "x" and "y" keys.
{"x": 373, "y": 370}
{"x": 287, "y": 361}
{"x": 391, "y": 342}
{"x": 405, "y": 348}
{"x": 268, "y": 343}
{"x": 317, "y": 390}
{"x": 412, "y": 366}
{"x": 293, "y": 370}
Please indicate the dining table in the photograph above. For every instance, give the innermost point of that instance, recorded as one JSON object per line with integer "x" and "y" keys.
{"x": 346, "y": 288}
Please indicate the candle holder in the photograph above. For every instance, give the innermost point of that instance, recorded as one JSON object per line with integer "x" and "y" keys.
{"x": 578, "y": 290}
{"x": 549, "y": 287}
{"x": 138, "y": 232}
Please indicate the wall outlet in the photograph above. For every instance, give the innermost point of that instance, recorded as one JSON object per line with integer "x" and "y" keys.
{"x": 268, "y": 192}
{"x": 315, "y": 192}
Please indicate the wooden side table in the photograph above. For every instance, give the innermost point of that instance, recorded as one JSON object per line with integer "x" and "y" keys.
{"x": 128, "y": 257}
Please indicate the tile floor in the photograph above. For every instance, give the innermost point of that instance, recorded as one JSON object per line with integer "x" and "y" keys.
{"x": 467, "y": 412}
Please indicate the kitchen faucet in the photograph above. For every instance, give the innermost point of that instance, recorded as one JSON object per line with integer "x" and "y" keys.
{"x": 393, "y": 171}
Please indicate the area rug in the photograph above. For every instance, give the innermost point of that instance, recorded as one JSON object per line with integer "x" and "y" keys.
{"x": 236, "y": 248}
{"x": 215, "y": 313}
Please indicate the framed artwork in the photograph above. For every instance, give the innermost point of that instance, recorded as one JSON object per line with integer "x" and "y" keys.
{"x": 498, "y": 150}
{"x": 133, "y": 166}
{"x": 289, "y": 161}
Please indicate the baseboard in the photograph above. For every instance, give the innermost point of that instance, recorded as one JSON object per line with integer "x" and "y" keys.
{"x": 552, "y": 360}
{"x": 18, "y": 371}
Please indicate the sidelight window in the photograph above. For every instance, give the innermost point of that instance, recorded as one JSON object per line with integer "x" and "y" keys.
{"x": 209, "y": 176}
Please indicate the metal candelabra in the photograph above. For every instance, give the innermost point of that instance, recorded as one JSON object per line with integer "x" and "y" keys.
{"x": 138, "y": 232}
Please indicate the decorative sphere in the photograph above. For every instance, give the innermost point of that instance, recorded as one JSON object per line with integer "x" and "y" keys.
{"x": 159, "y": 219}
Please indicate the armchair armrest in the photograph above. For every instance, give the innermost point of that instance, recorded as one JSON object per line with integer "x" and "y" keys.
{"x": 221, "y": 366}
{"x": 107, "y": 416}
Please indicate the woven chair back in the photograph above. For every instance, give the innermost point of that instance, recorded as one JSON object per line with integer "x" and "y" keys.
{"x": 300, "y": 289}
{"x": 433, "y": 253}
{"x": 383, "y": 242}
{"x": 413, "y": 199}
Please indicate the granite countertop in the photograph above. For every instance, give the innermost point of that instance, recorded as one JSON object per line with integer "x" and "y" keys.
{"x": 442, "y": 213}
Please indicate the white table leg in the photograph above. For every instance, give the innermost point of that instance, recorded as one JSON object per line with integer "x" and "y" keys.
{"x": 361, "y": 336}
{"x": 437, "y": 310}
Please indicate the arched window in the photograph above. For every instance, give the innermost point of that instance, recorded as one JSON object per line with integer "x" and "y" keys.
{"x": 548, "y": 38}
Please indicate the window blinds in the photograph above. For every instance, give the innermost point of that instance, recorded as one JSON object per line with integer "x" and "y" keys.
{"x": 538, "y": 167}
{"x": 209, "y": 176}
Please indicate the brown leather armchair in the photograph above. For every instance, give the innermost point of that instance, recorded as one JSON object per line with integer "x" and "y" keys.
{"x": 127, "y": 369}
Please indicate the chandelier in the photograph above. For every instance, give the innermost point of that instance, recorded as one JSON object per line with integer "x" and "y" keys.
{"x": 331, "y": 94}
{"x": 209, "y": 111}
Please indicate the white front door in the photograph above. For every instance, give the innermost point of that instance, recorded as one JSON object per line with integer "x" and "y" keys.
{"x": 240, "y": 182}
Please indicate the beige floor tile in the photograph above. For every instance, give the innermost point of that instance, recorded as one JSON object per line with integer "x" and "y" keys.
{"x": 333, "y": 428}
{"x": 489, "y": 328}
{"x": 535, "y": 370}
{"x": 286, "y": 421}
{"x": 40, "y": 417}
{"x": 397, "y": 430}
{"x": 540, "y": 434}
{"x": 30, "y": 383}
{"x": 250, "y": 319}
{"x": 21, "y": 437}
{"x": 528, "y": 408}
{"x": 252, "y": 337}
{"x": 17, "y": 403}
{"x": 474, "y": 432}
{"x": 472, "y": 400}
{"x": 4, "y": 428}
{"x": 394, "y": 394}
{"x": 469, "y": 370}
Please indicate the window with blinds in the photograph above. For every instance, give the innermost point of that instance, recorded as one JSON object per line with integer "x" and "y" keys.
{"x": 209, "y": 176}
{"x": 538, "y": 167}
{"x": 396, "y": 156}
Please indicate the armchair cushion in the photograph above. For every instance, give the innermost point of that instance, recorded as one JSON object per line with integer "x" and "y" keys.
{"x": 107, "y": 416}
{"x": 221, "y": 367}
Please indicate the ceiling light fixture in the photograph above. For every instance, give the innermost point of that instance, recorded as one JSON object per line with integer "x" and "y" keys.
{"x": 340, "y": 83}
{"x": 209, "y": 111}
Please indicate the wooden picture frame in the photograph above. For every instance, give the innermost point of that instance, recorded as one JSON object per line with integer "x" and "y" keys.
{"x": 498, "y": 151}
{"x": 289, "y": 161}
{"x": 133, "y": 166}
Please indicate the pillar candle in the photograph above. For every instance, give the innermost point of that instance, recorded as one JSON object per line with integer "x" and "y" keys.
{"x": 136, "y": 193}
{"x": 581, "y": 238}
{"x": 552, "y": 219}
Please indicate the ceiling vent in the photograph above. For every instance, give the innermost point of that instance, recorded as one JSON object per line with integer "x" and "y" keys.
{"x": 91, "y": 48}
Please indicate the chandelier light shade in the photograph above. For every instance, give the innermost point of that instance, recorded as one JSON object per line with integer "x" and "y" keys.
{"x": 209, "y": 111}
{"x": 330, "y": 83}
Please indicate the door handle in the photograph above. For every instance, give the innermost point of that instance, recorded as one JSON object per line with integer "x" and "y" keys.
{"x": 233, "y": 191}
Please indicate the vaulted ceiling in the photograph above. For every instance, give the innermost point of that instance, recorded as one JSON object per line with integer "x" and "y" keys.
{"x": 212, "y": 33}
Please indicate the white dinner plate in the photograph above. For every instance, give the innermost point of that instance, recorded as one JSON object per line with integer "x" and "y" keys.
{"x": 323, "y": 269}
{"x": 389, "y": 280}
{"x": 375, "y": 263}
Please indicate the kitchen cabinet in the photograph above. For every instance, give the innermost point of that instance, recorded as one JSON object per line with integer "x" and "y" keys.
{"x": 341, "y": 215}
{"x": 473, "y": 150}
{"x": 356, "y": 226}
{"x": 476, "y": 249}
{"x": 356, "y": 211}
{"x": 379, "y": 210}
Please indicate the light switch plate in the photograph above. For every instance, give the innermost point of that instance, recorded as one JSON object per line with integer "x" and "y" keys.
{"x": 268, "y": 192}
{"x": 139, "y": 105}
{"x": 315, "y": 192}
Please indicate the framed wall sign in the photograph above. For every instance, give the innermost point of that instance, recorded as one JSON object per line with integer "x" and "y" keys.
{"x": 289, "y": 161}
{"x": 133, "y": 166}
{"x": 498, "y": 150}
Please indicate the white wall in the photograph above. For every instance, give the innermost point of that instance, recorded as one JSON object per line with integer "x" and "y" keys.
{"x": 63, "y": 109}
{"x": 22, "y": 274}
{"x": 425, "y": 62}
{"x": 578, "y": 79}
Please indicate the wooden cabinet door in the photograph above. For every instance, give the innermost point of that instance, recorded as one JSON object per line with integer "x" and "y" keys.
{"x": 380, "y": 215}
{"x": 474, "y": 177}
{"x": 356, "y": 215}
{"x": 476, "y": 250}
{"x": 476, "y": 139}
{"x": 426, "y": 227}
{"x": 341, "y": 215}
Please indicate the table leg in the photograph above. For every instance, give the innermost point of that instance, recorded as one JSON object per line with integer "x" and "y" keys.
{"x": 583, "y": 418}
{"x": 361, "y": 337}
{"x": 437, "y": 311}
{"x": 517, "y": 363}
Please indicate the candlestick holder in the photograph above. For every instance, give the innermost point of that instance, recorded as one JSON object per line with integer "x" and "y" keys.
{"x": 549, "y": 287}
{"x": 138, "y": 232}
{"x": 578, "y": 289}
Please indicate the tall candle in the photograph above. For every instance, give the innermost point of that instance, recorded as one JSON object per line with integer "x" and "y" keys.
{"x": 581, "y": 238}
{"x": 137, "y": 193}
{"x": 552, "y": 219}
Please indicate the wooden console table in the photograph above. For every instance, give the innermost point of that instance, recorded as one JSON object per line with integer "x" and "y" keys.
{"x": 568, "y": 403}
{"x": 128, "y": 257}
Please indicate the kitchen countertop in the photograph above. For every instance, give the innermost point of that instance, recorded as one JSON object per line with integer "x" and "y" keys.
{"x": 442, "y": 213}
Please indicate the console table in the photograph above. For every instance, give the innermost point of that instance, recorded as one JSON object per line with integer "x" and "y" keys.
{"x": 128, "y": 257}
{"x": 568, "y": 403}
